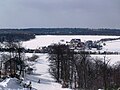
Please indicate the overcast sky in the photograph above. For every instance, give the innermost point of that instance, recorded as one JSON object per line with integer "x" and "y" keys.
{"x": 60, "y": 13}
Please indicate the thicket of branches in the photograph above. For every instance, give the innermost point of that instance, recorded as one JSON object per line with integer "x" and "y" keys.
{"x": 81, "y": 71}
{"x": 14, "y": 53}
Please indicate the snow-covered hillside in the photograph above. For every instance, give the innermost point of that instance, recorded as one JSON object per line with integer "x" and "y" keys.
{"x": 41, "y": 66}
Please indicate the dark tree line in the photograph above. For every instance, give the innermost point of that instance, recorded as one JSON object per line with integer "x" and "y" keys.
{"x": 63, "y": 31}
{"x": 81, "y": 71}
{"x": 16, "y": 37}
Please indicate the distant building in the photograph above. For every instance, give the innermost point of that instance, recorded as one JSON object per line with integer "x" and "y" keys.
{"x": 75, "y": 41}
{"x": 77, "y": 44}
{"x": 90, "y": 44}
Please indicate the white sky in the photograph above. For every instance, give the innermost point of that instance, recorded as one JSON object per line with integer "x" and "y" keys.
{"x": 60, "y": 13}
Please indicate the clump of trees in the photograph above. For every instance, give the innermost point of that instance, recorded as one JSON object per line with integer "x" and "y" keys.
{"x": 80, "y": 71}
{"x": 16, "y": 36}
{"x": 12, "y": 62}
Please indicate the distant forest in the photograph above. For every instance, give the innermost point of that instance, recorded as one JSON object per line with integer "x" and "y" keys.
{"x": 15, "y": 35}
{"x": 29, "y": 33}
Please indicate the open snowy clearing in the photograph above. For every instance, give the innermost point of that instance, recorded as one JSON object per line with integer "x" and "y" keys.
{"x": 45, "y": 40}
{"x": 41, "y": 71}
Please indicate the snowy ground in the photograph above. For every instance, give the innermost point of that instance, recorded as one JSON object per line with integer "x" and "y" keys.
{"x": 113, "y": 58}
{"x": 45, "y": 40}
{"x": 10, "y": 84}
{"x": 41, "y": 67}
{"x": 113, "y": 46}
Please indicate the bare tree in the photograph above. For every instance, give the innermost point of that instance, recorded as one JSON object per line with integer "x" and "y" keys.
{"x": 79, "y": 70}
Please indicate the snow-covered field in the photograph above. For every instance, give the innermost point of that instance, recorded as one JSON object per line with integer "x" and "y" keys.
{"x": 113, "y": 46}
{"x": 45, "y": 40}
